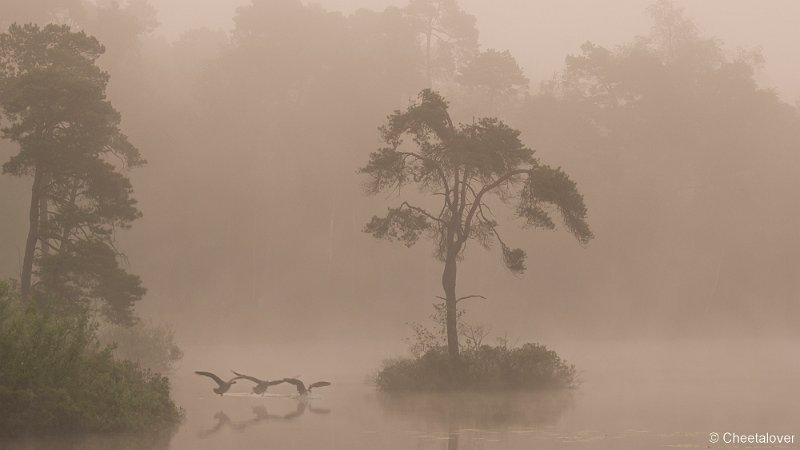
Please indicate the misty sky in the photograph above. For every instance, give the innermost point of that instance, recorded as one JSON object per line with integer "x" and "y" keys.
{"x": 540, "y": 33}
{"x": 674, "y": 244}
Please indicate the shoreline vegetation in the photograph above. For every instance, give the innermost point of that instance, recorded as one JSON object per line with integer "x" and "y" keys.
{"x": 56, "y": 377}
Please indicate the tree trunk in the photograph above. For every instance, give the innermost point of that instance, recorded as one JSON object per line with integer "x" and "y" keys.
{"x": 449, "y": 285}
{"x": 33, "y": 236}
{"x": 43, "y": 217}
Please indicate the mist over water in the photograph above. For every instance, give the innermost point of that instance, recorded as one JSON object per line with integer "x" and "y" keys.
{"x": 647, "y": 394}
{"x": 680, "y": 316}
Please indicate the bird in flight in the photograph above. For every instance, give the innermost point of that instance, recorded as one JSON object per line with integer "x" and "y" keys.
{"x": 301, "y": 387}
{"x": 261, "y": 385}
{"x": 224, "y": 386}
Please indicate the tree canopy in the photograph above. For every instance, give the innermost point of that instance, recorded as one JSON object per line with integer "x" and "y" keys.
{"x": 449, "y": 35}
{"x": 55, "y": 108}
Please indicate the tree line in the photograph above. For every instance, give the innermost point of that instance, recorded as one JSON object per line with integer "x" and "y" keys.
{"x": 671, "y": 139}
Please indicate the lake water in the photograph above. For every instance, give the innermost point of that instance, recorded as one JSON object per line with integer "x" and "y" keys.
{"x": 634, "y": 396}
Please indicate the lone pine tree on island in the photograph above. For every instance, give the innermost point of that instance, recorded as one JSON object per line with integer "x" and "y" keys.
{"x": 460, "y": 167}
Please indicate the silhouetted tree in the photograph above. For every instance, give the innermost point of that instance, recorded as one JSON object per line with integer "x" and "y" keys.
{"x": 495, "y": 73}
{"x": 52, "y": 96}
{"x": 463, "y": 165}
{"x": 449, "y": 34}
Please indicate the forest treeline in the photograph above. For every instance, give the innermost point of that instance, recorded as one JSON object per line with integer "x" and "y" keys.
{"x": 253, "y": 138}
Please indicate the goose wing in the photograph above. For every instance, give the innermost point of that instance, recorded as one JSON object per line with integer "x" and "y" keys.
{"x": 297, "y": 383}
{"x": 212, "y": 376}
{"x": 273, "y": 383}
{"x": 246, "y": 377}
{"x": 319, "y": 384}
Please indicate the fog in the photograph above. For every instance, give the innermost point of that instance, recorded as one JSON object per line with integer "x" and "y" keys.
{"x": 253, "y": 225}
{"x": 551, "y": 30}
{"x": 255, "y": 117}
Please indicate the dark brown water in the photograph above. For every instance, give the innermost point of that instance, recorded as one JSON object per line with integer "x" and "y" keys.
{"x": 634, "y": 396}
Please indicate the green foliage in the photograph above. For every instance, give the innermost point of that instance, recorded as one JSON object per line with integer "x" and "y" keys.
{"x": 464, "y": 165}
{"x": 478, "y": 367}
{"x": 530, "y": 366}
{"x": 554, "y": 187}
{"x": 150, "y": 345}
{"x": 405, "y": 225}
{"x": 55, "y": 377}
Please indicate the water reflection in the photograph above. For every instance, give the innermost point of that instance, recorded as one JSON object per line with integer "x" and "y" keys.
{"x": 477, "y": 417}
{"x": 144, "y": 441}
{"x": 481, "y": 410}
{"x": 223, "y": 421}
{"x": 260, "y": 414}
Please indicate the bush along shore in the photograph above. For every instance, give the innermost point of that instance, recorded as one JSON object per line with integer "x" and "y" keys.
{"x": 55, "y": 377}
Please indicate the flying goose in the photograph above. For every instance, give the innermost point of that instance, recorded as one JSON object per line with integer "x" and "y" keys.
{"x": 301, "y": 387}
{"x": 224, "y": 386}
{"x": 261, "y": 385}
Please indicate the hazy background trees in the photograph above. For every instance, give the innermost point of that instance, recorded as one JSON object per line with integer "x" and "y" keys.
{"x": 251, "y": 199}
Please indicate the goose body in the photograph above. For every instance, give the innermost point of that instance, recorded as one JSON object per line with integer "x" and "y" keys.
{"x": 261, "y": 385}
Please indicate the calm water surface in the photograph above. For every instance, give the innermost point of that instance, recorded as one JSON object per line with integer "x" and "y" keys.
{"x": 634, "y": 396}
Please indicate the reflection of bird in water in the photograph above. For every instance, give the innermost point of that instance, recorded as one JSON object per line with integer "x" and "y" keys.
{"x": 222, "y": 421}
{"x": 261, "y": 385}
{"x": 301, "y": 387}
{"x": 224, "y": 386}
{"x": 319, "y": 410}
{"x": 261, "y": 414}
{"x": 301, "y": 409}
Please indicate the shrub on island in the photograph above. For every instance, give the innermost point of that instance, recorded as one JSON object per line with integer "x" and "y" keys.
{"x": 529, "y": 366}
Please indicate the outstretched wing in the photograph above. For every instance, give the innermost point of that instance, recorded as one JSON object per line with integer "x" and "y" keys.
{"x": 212, "y": 376}
{"x": 318, "y": 384}
{"x": 273, "y": 383}
{"x": 246, "y": 377}
{"x": 297, "y": 383}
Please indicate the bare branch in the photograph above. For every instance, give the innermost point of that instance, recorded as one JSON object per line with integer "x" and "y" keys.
{"x": 470, "y": 296}
{"x": 464, "y": 298}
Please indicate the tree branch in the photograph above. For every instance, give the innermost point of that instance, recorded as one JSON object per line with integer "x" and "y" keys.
{"x": 469, "y": 297}
{"x": 482, "y": 192}
{"x": 464, "y": 298}
{"x": 494, "y": 230}
{"x": 439, "y": 170}
{"x": 422, "y": 211}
